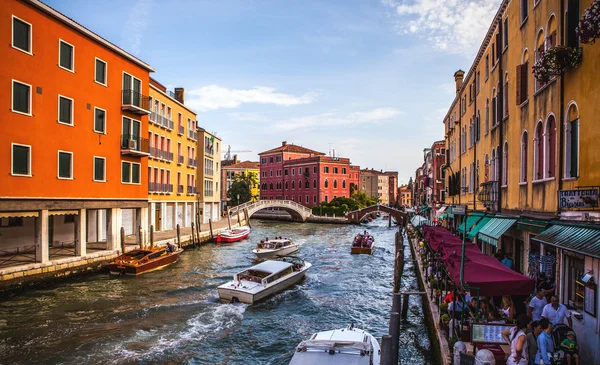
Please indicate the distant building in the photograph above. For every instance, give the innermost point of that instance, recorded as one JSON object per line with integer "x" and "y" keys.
{"x": 376, "y": 184}
{"x": 229, "y": 170}
{"x": 405, "y": 196}
{"x": 393, "y": 188}
{"x": 209, "y": 175}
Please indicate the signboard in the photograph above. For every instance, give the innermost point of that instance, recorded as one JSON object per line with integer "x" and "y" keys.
{"x": 458, "y": 209}
{"x": 578, "y": 199}
{"x": 488, "y": 333}
{"x": 590, "y": 304}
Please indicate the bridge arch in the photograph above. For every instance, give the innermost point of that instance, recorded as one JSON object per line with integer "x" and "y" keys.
{"x": 298, "y": 212}
{"x": 358, "y": 215}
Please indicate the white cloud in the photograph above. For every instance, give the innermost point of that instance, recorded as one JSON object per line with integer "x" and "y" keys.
{"x": 137, "y": 22}
{"x": 246, "y": 117}
{"x": 217, "y": 97}
{"x": 453, "y": 26}
{"x": 331, "y": 119}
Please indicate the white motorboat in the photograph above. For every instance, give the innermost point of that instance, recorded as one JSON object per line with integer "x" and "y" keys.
{"x": 273, "y": 248}
{"x": 348, "y": 346}
{"x": 264, "y": 279}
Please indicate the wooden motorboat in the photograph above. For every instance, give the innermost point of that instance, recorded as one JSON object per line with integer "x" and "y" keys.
{"x": 363, "y": 244}
{"x": 262, "y": 280}
{"x": 140, "y": 261}
{"x": 273, "y": 248}
{"x": 233, "y": 235}
{"x": 341, "y": 346}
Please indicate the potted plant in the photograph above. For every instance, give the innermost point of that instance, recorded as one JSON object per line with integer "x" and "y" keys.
{"x": 444, "y": 307}
{"x": 589, "y": 25}
{"x": 555, "y": 61}
{"x": 438, "y": 294}
{"x": 445, "y": 319}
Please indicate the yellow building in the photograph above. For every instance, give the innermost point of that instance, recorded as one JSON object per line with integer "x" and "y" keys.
{"x": 235, "y": 168}
{"x": 172, "y": 163}
{"x": 522, "y": 145}
{"x": 209, "y": 175}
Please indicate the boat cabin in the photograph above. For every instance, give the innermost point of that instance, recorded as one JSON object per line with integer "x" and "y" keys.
{"x": 274, "y": 244}
{"x": 265, "y": 272}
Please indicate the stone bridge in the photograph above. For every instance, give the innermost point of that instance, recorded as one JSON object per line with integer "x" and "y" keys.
{"x": 358, "y": 215}
{"x": 298, "y": 212}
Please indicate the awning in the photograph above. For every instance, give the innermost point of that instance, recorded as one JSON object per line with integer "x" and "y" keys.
{"x": 424, "y": 208}
{"x": 18, "y": 214}
{"x": 583, "y": 240}
{"x": 473, "y": 232}
{"x": 63, "y": 212}
{"x": 443, "y": 216}
{"x": 442, "y": 209}
{"x": 449, "y": 212}
{"x": 494, "y": 229}
{"x": 418, "y": 220}
{"x": 532, "y": 225}
{"x": 470, "y": 221}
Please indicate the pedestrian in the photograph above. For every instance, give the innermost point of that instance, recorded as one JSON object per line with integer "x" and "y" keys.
{"x": 517, "y": 339}
{"x": 557, "y": 312}
{"x": 545, "y": 344}
{"x": 536, "y": 305}
{"x": 571, "y": 348}
{"x": 532, "y": 336}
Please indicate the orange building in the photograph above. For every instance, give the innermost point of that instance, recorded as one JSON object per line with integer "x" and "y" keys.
{"x": 73, "y": 157}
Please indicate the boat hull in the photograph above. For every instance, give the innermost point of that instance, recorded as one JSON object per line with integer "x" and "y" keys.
{"x": 232, "y": 237}
{"x": 361, "y": 250}
{"x": 118, "y": 269}
{"x": 271, "y": 254}
{"x": 242, "y": 296}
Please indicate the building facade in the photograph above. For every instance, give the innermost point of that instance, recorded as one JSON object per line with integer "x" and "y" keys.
{"x": 375, "y": 184}
{"x": 405, "y": 196}
{"x": 208, "y": 174}
{"x": 172, "y": 164}
{"x": 228, "y": 172}
{"x": 74, "y": 167}
{"x": 392, "y": 188}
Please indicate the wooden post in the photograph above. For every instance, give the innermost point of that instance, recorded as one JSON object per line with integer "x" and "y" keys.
{"x": 390, "y": 221}
{"x": 228, "y": 221}
{"x": 178, "y": 235}
{"x": 198, "y": 234}
{"x": 396, "y": 302}
{"x": 247, "y": 218}
{"x": 238, "y": 215}
{"x": 394, "y": 331}
{"x": 212, "y": 237}
{"x": 151, "y": 236}
{"x": 141, "y": 237}
{"x": 404, "y": 305}
{"x": 386, "y": 350}
{"x": 193, "y": 236}
{"x": 123, "y": 244}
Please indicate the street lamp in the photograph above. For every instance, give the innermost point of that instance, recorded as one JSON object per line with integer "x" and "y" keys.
{"x": 238, "y": 199}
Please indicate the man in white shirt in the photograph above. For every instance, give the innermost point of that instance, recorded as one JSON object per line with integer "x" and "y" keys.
{"x": 536, "y": 305}
{"x": 556, "y": 312}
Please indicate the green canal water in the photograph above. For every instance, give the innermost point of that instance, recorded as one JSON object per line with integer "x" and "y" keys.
{"x": 173, "y": 316}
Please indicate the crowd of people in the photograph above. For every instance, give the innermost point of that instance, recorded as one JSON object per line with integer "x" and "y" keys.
{"x": 363, "y": 240}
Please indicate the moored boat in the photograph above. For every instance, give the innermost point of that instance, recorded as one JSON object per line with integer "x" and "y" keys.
{"x": 140, "y": 261}
{"x": 271, "y": 249}
{"x": 363, "y": 244}
{"x": 341, "y": 346}
{"x": 233, "y": 235}
{"x": 260, "y": 281}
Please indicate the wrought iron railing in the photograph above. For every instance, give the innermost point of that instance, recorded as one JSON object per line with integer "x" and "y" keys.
{"x": 135, "y": 143}
{"x": 130, "y": 97}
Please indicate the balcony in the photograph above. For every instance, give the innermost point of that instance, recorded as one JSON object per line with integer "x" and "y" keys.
{"x": 192, "y": 135}
{"x": 168, "y": 156}
{"x": 151, "y": 187}
{"x": 180, "y": 189}
{"x": 488, "y": 194}
{"x": 209, "y": 151}
{"x": 208, "y": 172}
{"x": 191, "y": 162}
{"x": 135, "y": 102}
{"x": 135, "y": 145}
{"x": 180, "y": 130}
{"x": 191, "y": 189}
{"x": 180, "y": 159}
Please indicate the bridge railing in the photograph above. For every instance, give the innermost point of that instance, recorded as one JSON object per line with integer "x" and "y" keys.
{"x": 274, "y": 203}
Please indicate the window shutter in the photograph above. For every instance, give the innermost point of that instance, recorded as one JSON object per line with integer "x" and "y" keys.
{"x": 498, "y": 46}
{"x": 499, "y": 108}
{"x": 572, "y": 23}
{"x": 522, "y": 86}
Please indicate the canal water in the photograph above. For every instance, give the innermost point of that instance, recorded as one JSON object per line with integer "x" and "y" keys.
{"x": 173, "y": 316}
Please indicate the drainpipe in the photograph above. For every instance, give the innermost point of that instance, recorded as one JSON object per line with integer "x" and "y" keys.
{"x": 475, "y": 132}
{"x": 559, "y": 124}
{"x": 460, "y": 146}
{"x": 500, "y": 150}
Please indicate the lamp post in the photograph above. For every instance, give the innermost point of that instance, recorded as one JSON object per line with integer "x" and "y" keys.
{"x": 238, "y": 199}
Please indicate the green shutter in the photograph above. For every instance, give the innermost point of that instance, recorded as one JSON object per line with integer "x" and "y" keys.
{"x": 99, "y": 120}
{"x": 64, "y": 111}
{"x": 20, "y": 97}
{"x": 20, "y": 164}
{"x": 99, "y": 169}
{"x": 66, "y": 56}
{"x": 64, "y": 165}
{"x": 574, "y": 148}
{"x": 21, "y": 35}
{"x": 100, "y": 71}
{"x": 135, "y": 173}
{"x": 125, "y": 172}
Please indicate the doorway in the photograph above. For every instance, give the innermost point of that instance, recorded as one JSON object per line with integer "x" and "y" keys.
{"x": 158, "y": 217}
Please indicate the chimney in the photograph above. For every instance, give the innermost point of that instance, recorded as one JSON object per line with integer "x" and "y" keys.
{"x": 235, "y": 159}
{"x": 458, "y": 79}
{"x": 284, "y": 143}
{"x": 179, "y": 91}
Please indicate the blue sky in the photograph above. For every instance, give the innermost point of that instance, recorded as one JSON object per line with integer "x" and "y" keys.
{"x": 370, "y": 79}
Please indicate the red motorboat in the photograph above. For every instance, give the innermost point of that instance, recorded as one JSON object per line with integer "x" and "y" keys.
{"x": 233, "y": 235}
{"x": 139, "y": 261}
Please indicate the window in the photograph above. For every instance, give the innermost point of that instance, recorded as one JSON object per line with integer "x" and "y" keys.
{"x": 505, "y": 33}
{"x": 11, "y": 222}
{"x": 343, "y": 184}
{"x": 477, "y": 127}
{"x": 505, "y": 165}
{"x": 65, "y": 110}
{"x": 299, "y": 171}
{"x": 21, "y": 160}
{"x": 21, "y": 97}
{"x": 315, "y": 183}
{"x": 99, "y": 120}
{"x": 293, "y": 171}
{"x": 306, "y": 200}
{"x": 539, "y": 51}
{"x": 335, "y": 184}
{"x": 487, "y": 66}
{"x": 572, "y": 22}
{"x": 550, "y": 148}
{"x": 524, "y": 10}
{"x": 263, "y": 160}
{"x": 307, "y": 184}
{"x": 335, "y": 170}
{"x": 65, "y": 165}
{"x": 326, "y": 183}
{"x": 344, "y": 170}
{"x": 285, "y": 172}
{"x": 314, "y": 198}
{"x": 100, "y": 76}
{"x": 293, "y": 184}
{"x": 278, "y": 159}
{"x": 132, "y": 88}
{"x": 538, "y": 152}
{"x": 314, "y": 169}
{"x": 131, "y": 131}
{"x": 326, "y": 169}
{"x": 477, "y": 82}
{"x": 130, "y": 172}
{"x": 505, "y": 95}
{"x": 100, "y": 169}
{"x": 326, "y": 199}
{"x": 522, "y": 77}
{"x": 66, "y": 56}
{"x": 572, "y": 142}
{"x": 270, "y": 159}
{"x": 21, "y": 35}
{"x": 487, "y": 116}
{"x": 523, "y": 176}
{"x": 493, "y": 165}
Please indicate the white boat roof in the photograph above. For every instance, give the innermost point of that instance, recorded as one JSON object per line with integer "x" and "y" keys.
{"x": 349, "y": 344}
{"x": 344, "y": 334}
{"x": 270, "y": 266}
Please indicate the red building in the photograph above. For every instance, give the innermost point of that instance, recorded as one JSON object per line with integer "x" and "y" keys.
{"x": 438, "y": 154}
{"x": 302, "y": 175}
{"x": 393, "y": 188}
{"x": 354, "y": 177}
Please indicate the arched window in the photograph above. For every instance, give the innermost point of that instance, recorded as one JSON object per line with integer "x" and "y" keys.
{"x": 471, "y": 133}
{"x": 271, "y": 186}
{"x": 286, "y": 185}
{"x": 505, "y": 165}
{"x": 550, "y": 148}
{"x": 293, "y": 184}
{"x": 335, "y": 184}
{"x": 300, "y": 185}
{"x": 307, "y": 184}
{"x": 343, "y": 184}
{"x": 326, "y": 183}
{"x": 551, "y": 32}
{"x": 540, "y": 48}
{"x": 494, "y": 107}
{"x": 493, "y": 167}
{"x": 478, "y": 127}
{"x": 524, "y": 151}
{"x": 487, "y": 116}
{"x": 538, "y": 152}
{"x": 486, "y": 169}
{"x": 572, "y": 142}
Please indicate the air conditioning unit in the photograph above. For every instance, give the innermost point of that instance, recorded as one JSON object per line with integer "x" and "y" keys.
{"x": 132, "y": 144}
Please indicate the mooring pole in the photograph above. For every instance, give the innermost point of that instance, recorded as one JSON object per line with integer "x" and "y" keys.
{"x": 151, "y": 236}
{"x": 178, "y": 236}
{"x": 247, "y": 217}
{"x": 390, "y": 221}
{"x": 228, "y": 222}
{"x": 394, "y": 331}
{"x": 193, "y": 236}
{"x": 396, "y": 302}
{"x": 404, "y": 305}
{"x": 210, "y": 228}
{"x": 140, "y": 234}
{"x": 123, "y": 244}
{"x": 238, "y": 215}
{"x": 386, "y": 350}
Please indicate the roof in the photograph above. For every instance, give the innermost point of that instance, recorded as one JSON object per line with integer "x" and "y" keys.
{"x": 292, "y": 148}
{"x": 271, "y": 266}
{"x": 243, "y": 165}
{"x": 83, "y": 30}
{"x": 583, "y": 240}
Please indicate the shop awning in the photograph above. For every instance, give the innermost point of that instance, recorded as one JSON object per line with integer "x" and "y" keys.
{"x": 470, "y": 221}
{"x": 442, "y": 209}
{"x": 418, "y": 220}
{"x": 473, "y": 232}
{"x": 532, "y": 225}
{"x": 63, "y": 212}
{"x": 583, "y": 240}
{"x": 18, "y": 214}
{"x": 494, "y": 229}
{"x": 443, "y": 216}
{"x": 449, "y": 212}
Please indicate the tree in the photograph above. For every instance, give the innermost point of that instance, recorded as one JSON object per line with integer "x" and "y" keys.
{"x": 363, "y": 199}
{"x": 353, "y": 188}
{"x": 242, "y": 186}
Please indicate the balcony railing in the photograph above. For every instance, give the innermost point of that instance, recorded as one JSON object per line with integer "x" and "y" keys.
{"x": 193, "y": 135}
{"x": 151, "y": 187}
{"x": 208, "y": 192}
{"x": 180, "y": 159}
{"x": 134, "y": 145}
{"x": 191, "y": 162}
{"x": 208, "y": 172}
{"x": 160, "y": 188}
{"x": 488, "y": 194}
{"x": 180, "y": 130}
{"x": 168, "y": 156}
{"x": 209, "y": 151}
{"x": 135, "y": 102}
{"x": 180, "y": 189}
{"x": 191, "y": 189}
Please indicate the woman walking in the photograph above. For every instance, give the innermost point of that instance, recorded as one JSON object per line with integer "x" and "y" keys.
{"x": 532, "y": 336}
{"x": 516, "y": 337}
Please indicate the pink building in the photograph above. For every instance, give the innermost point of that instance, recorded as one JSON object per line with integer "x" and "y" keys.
{"x": 305, "y": 176}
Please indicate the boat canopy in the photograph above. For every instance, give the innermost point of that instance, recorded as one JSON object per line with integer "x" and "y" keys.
{"x": 269, "y": 266}
{"x": 346, "y": 352}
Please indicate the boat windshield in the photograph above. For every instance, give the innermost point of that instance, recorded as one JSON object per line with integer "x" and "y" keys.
{"x": 253, "y": 275}
{"x": 137, "y": 254}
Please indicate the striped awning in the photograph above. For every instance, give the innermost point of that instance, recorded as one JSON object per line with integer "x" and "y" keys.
{"x": 532, "y": 225}
{"x": 470, "y": 222}
{"x": 18, "y": 214}
{"x": 475, "y": 230}
{"x": 583, "y": 240}
{"x": 494, "y": 229}
{"x": 63, "y": 212}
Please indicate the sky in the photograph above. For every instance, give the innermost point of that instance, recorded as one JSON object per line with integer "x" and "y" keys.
{"x": 370, "y": 80}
